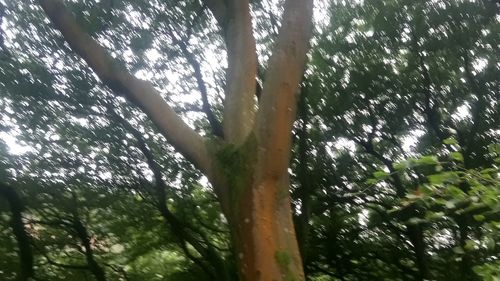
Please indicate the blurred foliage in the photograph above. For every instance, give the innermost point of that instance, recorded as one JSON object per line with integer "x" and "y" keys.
{"x": 394, "y": 173}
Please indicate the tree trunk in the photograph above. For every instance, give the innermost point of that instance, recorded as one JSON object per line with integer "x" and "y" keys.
{"x": 259, "y": 214}
{"x": 466, "y": 264}
{"x": 263, "y": 234}
{"x": 26, "y": 270}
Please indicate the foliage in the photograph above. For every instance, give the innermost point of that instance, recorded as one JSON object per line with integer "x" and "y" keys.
{"x": 394, "y": 169}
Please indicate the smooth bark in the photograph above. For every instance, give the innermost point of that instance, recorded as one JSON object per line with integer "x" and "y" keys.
{"x": 277, "y": 104}
{"x": 265, "y": 242}
{"x": 239, "y": 102}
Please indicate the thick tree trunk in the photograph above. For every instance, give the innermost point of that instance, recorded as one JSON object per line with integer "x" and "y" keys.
{"x": 264, "y": 236}
{"x": 259, "y": 214}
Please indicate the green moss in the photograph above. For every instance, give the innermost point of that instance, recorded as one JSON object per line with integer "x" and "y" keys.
{"x": 237, "y": 164}
{"x": 283, "y": 259}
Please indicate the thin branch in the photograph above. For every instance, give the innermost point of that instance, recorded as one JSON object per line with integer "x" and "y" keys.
{"x": 219, "y": 10}
{"x": 118, "y": 269}
{"x": 58, "y": 264}
{"x": 212, "y": 119}
{"x": 430, "y": 108}
{"x": 178, "y": 227}
{"x": 477, "y": 108}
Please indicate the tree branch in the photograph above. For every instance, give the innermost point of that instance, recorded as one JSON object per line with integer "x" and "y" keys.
{"x": 140, "y": 92}
{"x": 83, "y": 234}
{"x": 177, "y": 226}
{"x": 218, "y": 9}
{"x": 430, "y": 108}
{"x": 477, "y": 108}
{"x": 239, "y": 102}
{"x": 213, "y": 121}
{"x": 278, "y": 101}
{"x": 62, "y": 265}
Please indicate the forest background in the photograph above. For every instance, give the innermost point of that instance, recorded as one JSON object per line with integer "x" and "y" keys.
{"x": 249, "y": 140}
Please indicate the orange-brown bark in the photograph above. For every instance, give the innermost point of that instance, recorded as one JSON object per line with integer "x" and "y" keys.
{"x": 279, "y": 96}
{"x": 265, "y": 241}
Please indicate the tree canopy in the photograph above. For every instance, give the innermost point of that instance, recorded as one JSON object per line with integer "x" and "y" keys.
{"x": 249, "y": 140}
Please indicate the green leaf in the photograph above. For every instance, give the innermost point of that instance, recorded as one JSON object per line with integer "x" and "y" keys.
{"x": 490, "y": 243}
{"x": 428, "y": 160}
{"x": 450, "y": 141}
{"x": 458, "y": 250}
{"x": 438, "y": 168}
{"x": 393, "y": 210}
{"x": 469, "y": 245}
{"x": 415, "y": 220}
{"x": 455, "y": 192}
{"x": 380, "y": 175}
{"x": 450, "y": 204}
{"x": 434, "y": 215}
{"x": 479, "y": 217}
{"x": 443, "y": 177}
{"x": 413, "y": 196}
{"x": 457, "y": 156}
{"x": 494, "y": 148}
{"x": 400, "y": 165}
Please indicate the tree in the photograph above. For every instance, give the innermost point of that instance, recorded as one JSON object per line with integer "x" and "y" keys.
{"x": 393, "y": 173}
{"x": 247, "y": 164}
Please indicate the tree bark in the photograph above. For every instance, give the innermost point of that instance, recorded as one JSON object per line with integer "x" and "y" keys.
{"x": 263, "y": 234}
{"x": 239, "y": 102}
{"x": 263, "y": 229}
